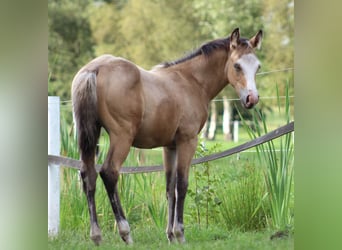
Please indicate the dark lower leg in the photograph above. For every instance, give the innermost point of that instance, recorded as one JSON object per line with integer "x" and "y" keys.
{"x": 185, "y": 152}
{"x": 89, "y": 185}
{"x": 181, "y": 189}
{"x": 169, "y": 156}
{"x": 110, "y": 179}
{"x": 170, "y": 194}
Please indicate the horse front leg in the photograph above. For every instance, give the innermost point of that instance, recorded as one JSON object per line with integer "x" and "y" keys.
{"x": 185, "y": 152}
{"x": 169, "y": 155}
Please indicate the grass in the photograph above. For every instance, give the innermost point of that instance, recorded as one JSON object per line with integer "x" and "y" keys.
{"x": 278, "y": 167}
{"x": 241, "y": 201}
{"x": 153, "y": 238}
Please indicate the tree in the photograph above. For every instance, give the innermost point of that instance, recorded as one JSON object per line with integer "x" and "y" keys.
{"x": 104, "y": 18}
{"x": 156, "y": 31}
{"x": 219, "y": 18}
{"x": 70, "y": 44}
{"x": 279, "y": 26}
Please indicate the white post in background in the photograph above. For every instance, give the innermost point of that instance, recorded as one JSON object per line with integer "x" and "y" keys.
{"x": 213, "y": 118}
{"x": 236, "y": 131}
{"x": 53, "y": 170}
{"x": 226, "y": 118}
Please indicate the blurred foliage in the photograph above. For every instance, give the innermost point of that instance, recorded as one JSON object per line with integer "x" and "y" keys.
{"x": 70, "y": 43}
{"x": 153, "y": 31}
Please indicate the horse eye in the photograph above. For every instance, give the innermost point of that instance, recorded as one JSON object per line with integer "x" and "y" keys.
{"x": 259, "y": 66}
{"x": 237, "y": 67}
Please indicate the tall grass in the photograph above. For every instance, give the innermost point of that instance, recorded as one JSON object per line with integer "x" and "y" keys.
{"x": 278, "y": 169}
{"x": 227, "y": 195}
{"x": 68, "y": 141}
{"x": 241, "y": 200}
{"x": 155, "y": 199}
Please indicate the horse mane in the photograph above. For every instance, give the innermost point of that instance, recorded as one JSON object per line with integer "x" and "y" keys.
{"x": 206, "y": 49}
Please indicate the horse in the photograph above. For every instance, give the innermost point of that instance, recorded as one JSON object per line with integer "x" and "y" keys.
{"x": 166, "y": 106}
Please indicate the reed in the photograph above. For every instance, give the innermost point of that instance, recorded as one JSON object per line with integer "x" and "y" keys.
{"x": 278, "y": 166}
{"x": 241, "y": 198}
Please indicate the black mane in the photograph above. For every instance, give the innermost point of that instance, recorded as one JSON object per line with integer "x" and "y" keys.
{"x": 206, "y": 49}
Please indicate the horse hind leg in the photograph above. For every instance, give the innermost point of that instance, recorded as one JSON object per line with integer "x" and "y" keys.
{"x": 89, "y": 176}
{"x": 110, "y": 174}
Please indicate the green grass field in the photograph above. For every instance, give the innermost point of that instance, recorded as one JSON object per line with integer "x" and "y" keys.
{"x": 152, "y": 238}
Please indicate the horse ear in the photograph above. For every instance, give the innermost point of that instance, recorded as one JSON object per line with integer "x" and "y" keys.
{"x": 256, "y": 40}
{"x": 234, "y": 38}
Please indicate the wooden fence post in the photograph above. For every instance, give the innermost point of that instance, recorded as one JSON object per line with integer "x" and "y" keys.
{"x": 53, "y": 170}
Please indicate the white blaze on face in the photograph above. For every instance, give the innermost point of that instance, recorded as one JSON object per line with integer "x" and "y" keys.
{"x": 249, "y": 64}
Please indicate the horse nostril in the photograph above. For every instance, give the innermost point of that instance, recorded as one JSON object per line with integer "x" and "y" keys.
{"x": 248, "y": 103}
{"x": 251, "y": 100}
{"x": 248, "y": 99}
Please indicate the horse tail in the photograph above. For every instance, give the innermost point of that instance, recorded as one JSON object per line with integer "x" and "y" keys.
{"x": 84, "y": 101}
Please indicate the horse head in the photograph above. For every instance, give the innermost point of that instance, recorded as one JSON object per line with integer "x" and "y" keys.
{"x": 242, "y": 66}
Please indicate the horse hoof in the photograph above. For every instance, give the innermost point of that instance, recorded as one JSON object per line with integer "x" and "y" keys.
{"x": 95, "y": 235}
{"x": 127, "y": 239}
{"x": 178, "y": 231}
{"x": 124, "y": 231}
{"x": 96, "y": 239}
{"x": 171, "y": 238}
{"x": 181, "y": 239}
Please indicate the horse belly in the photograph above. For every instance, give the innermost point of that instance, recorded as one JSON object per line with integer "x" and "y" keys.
{"x": 148, "y": 141}
{"x": 158, "y": 127}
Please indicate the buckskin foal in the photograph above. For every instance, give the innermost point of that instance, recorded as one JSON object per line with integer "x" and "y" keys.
{"x": 163, "y": 107}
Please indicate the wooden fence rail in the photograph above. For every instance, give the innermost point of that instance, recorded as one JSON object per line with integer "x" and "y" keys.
{"x": 64, "y": 161}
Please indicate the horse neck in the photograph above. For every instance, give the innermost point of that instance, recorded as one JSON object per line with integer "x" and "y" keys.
{"x": 210, "y": 73}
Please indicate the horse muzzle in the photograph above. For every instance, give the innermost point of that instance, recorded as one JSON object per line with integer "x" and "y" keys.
{"x": 249, "y": 99}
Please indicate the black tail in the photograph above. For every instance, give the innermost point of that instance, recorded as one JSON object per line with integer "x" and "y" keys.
{"x": 84, "y": 101}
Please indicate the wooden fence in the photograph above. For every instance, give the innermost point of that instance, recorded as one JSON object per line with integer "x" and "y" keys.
{"x": 54, "y": 160}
